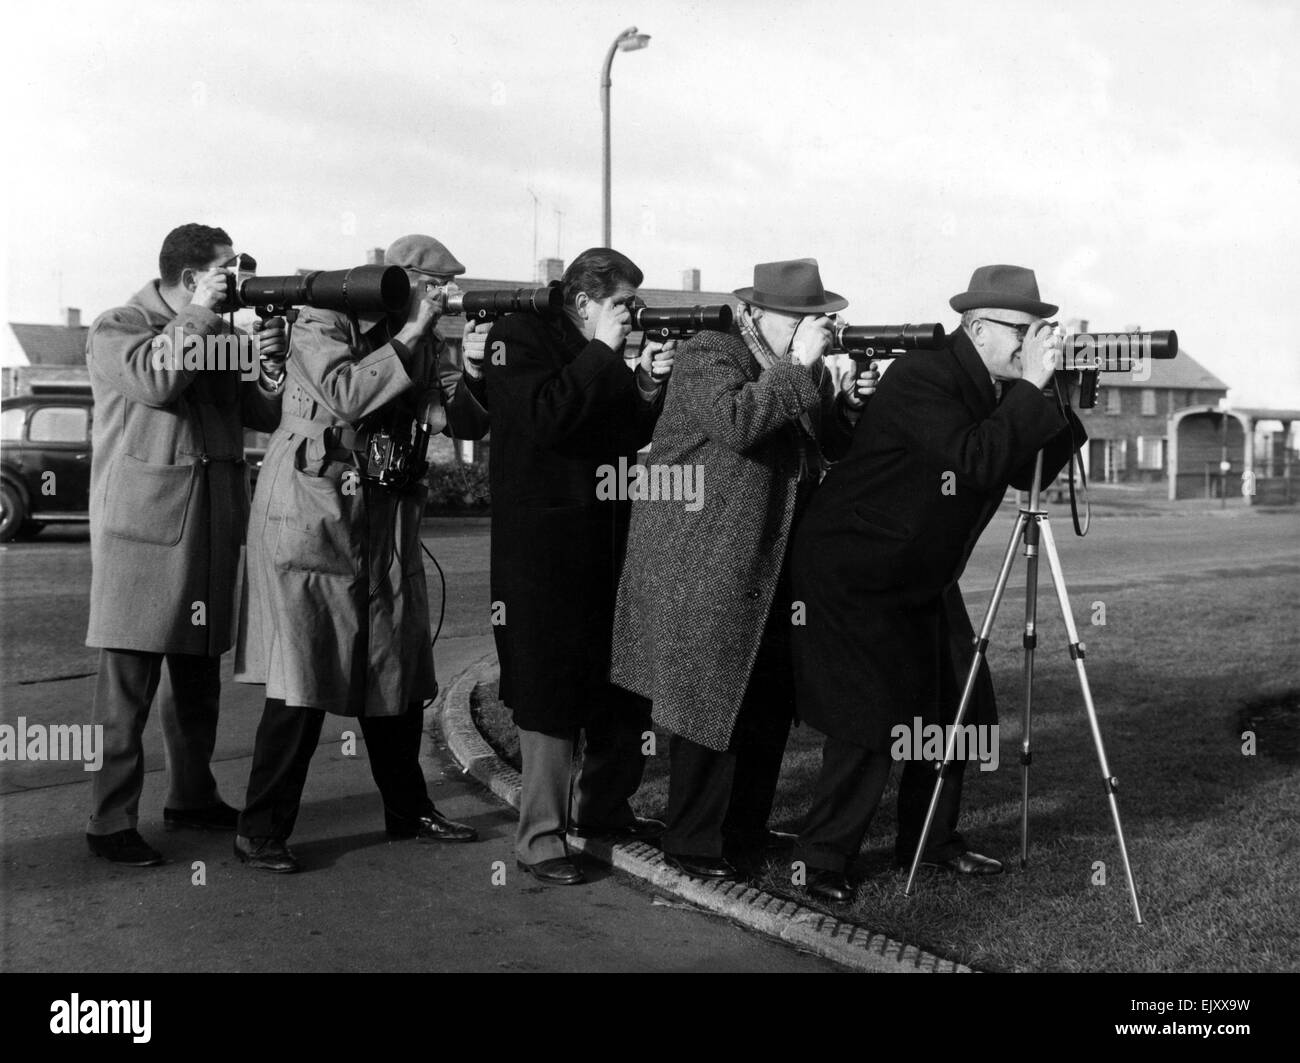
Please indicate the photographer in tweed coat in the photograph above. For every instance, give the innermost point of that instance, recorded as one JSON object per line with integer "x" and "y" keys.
{"x": 702, "y": 624}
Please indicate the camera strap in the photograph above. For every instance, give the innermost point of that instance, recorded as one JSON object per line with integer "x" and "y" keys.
{"x": 1075, "y": 458}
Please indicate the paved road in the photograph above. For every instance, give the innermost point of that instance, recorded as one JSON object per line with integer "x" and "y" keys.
{"x": 395, "y": 906}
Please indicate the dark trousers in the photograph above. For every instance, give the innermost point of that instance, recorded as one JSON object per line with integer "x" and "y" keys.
{"x": 612, "y": 766}
{"x": 722, "y": 800}
{"x": 848, "y": 791}
{"x": 124, "y": 692}
{"x": 282, "y": 752}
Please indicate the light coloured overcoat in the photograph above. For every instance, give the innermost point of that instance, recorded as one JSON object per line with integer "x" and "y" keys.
{"x": 168, "y": 485}
{"x": 335, "y": 611}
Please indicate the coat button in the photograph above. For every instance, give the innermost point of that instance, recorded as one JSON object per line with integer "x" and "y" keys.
{"x": 752, "y": 595}
{"x": 204, "y": 460}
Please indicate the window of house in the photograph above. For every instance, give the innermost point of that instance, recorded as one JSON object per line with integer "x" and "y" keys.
{"x": 59, "y": 424}
{"x": 1151, "y": 452}
{"x": 1113, "y": 404}
{"x": 1148, "y": 402}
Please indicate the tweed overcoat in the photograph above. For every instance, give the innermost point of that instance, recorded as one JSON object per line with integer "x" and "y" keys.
{"x": 168, "y": 485}
{"x": 563, "y": 409}
{"x": 335, "y": 611}
{"x": 879, "y": 554}
{"x": 698, "y": 587}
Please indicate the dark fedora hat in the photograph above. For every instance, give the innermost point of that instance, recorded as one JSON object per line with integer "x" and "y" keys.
{"x": 1002, "y": 288}
{"x": 794, "y": 286}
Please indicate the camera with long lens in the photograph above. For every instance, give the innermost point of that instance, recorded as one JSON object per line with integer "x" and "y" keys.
{"x": 1093, "y": 353}
{"x": 865, "y": 343}
{"x": 245, "y": 268}
{"x": 359, "y": 290}
{"x": 492, "y": 304}
{"x": 679, "y": 322}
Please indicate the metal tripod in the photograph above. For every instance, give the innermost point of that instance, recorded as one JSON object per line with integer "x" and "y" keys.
{"x": 1031, "y": 525}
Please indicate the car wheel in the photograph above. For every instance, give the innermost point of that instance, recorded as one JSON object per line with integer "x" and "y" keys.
{"x": 13, "y": 512}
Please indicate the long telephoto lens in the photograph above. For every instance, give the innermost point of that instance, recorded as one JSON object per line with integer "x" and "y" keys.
{"x": 361, "y": 290}
{"x": 485, "y": 305}
{"x": 884, "y": 341}
{"x": 1116, "y": 352}
{"x": 681, "y": 320}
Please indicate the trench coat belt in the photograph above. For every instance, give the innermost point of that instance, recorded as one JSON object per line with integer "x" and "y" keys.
{"x": 335, "y": 437}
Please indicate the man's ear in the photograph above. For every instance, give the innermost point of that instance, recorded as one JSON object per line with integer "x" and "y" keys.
{"x": 189, "y": 279}
{"x": 580, "y": 303}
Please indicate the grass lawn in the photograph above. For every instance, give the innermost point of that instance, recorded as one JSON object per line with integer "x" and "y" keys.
{"x": 1212, "y": 834}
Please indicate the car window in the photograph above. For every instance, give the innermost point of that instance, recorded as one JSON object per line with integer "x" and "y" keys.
{"x": 59, "y": 424}
{"x": 11, "y": 423}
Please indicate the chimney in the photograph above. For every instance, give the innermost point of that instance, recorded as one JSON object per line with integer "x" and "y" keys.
{"x": 690, "y": 280}
{"x": 1074, "y": 324}
{"x": 375, "y": 256}
{"x": 71, "y": 317}
{"x": 549, "y": 269}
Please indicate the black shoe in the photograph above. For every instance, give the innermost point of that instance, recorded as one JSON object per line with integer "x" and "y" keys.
{"x": 831, "y": 887}
{"x": 266, "y": 854}
{"x": 713, "y": 868}
{"x": 124, "y": 847}
{"x": 560, "y": 871}
{"x": 967, "y": 863}
{"x": 433, "y": 826}
{"x": 766, "y": 842}
{"x": 639, "y": 830}
{"x": 216, "y": 817}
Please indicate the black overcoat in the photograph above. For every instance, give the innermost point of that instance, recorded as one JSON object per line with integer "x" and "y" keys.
{"x": 562, "y": 407}
{"x": 877, "y": 558}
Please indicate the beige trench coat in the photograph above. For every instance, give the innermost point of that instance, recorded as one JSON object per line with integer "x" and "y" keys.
{"x": 335, "y": 613}
{"x": 168, "y": 486}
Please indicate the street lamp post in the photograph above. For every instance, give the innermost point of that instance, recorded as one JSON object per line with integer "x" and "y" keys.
{"x": 627, "y": 41}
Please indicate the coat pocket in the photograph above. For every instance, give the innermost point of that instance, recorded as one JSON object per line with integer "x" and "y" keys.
{"x": 880, "y": 523}
{"x": 149, "y": 503}
{"x": 315, "y": 529}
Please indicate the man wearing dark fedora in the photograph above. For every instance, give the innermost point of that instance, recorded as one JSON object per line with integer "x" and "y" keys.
{"x": 702, "y": 624}
{"x": 877, "y": 559}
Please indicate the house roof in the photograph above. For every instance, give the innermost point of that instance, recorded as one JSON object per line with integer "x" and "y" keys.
{"x": 52, "y": 344}
{"x": 1182, "y": 372}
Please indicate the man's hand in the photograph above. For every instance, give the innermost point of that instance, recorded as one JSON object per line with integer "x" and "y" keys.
{"x": 427, "y": 304}
{"x": 1039, "y": 354}
{"x": 857, "y": 389}
{"x": 812, "y": 339}
{"x": 475, "y": 348}
{"x": 611, "y": 324}
{"x": 271, "y": 341}
{"x": 656, "y": 361}
{"x": 211, "y": 288}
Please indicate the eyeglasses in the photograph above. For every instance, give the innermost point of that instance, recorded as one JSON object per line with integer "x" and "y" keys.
{"x": 1022, "y": 330}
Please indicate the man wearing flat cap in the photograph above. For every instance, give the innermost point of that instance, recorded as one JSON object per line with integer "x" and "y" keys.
{"x": 878, "y": 557}
{"x": 335, "y": 615}
{"x": 704, "y": 611}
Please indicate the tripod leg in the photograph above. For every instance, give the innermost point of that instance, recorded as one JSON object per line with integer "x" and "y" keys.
{"x": 1030, "y": 643}
{"x": 1076, "y": 652}
{"x": 981, "y": 647}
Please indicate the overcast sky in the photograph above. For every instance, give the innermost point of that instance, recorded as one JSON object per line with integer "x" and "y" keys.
{"x": 1143, "y": 158}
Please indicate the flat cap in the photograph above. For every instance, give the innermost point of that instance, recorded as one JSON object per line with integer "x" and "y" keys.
{"x": 423, "y": 254}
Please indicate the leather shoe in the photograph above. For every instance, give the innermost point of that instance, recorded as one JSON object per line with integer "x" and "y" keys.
{"x": 216, "y": 817}
{"x": 266, "y": 854}
{"x": 639, "y": 830}
{"x": 559, "y": 871}
{"x": 829, "y": 886}
{"x": 433, "y": 826}
{"x": 967, "y": 863}
{"x": 706, "y": 867}
{"x": 124, "y": 847}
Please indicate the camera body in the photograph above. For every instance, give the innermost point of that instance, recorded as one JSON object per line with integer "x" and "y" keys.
{"x": 680, "y": 322}
{"x": 865, "y": 343}
{"x": 245, "y": 267}
{"x": 396, "y": 452}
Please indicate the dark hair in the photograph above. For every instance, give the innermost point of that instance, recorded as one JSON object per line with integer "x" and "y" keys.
{"x": 599, "y": 271}
{"x": 188, "y": 246}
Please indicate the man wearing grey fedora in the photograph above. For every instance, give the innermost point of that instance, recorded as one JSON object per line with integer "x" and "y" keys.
{"x": 704, "y": 613}
{"x": 877, "y": 560}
